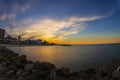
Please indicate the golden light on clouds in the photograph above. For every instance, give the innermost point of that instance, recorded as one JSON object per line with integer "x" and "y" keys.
{"x": 94, "y": 40}
{"x": 53, "y": 30}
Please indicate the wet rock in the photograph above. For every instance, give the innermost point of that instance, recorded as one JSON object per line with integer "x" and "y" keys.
{"x": 29, "y": 67}
{"x": 36, "y": 72}
{"x": 111, "y": 66}
{"x": 39, "y": 65}
{"x": 4, "y": 79}
{"x": 21, "y": 78}
{"x": 40, "y": 72}
{"x": 44, "y": 73}
{"x": 12, "y": 67}
{"x": 10, "y": 73}
{"x": 19, "y": 72}
{"x": 96, "y": 77}
{"x": 63, "y": 72}
{"x": 116, "y": 73}
{"x": 65, "y": 78}
{"x": 3, "y": 69}
{"x": 3, "y": 63}
{"x": 53, "y": 75}
{"x": 2, "y": 58}
{"x": 2, "y": 48}
{"x": 35, "y": 77}
{"x": 48, "y": 65}
{"x": 21, "y": 59}
{"x": 90, "y": 72}
{"x": 105, "y": 78}
{"x": 80, "y": 75}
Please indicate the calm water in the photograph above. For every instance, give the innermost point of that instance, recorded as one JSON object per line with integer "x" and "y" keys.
{"x": 73, "y": 57}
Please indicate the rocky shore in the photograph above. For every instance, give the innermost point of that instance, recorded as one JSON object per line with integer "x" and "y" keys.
{"x": 17, "y": 67}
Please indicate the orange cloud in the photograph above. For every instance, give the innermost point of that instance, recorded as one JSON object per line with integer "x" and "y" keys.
{"x": 52, "y": 29}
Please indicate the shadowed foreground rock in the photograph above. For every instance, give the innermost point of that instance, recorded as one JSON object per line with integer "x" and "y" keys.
{"x": 15, "y": 67}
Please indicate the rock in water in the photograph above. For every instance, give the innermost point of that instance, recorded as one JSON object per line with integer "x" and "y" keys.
{"x": 116, "y": 73}
{"x": 53, "y": 75}
{"x": 111, "y": 66}
{"x": 29, "y": 67}
{"x": 10, "y": 73}
{"x": 3, "y": 69}
{"x": 63, "y": 72}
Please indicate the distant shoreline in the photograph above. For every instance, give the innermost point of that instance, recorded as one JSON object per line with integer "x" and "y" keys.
{"x": 97, "y": 44}
{"x": 62, "y": 44}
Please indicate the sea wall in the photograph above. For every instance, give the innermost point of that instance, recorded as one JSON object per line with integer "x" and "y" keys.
{"x": 16, "y": 67}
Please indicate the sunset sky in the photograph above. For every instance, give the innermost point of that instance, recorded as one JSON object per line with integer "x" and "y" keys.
{"x": 62, "y": 21}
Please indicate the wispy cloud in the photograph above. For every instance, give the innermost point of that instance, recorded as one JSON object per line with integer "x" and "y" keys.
{"x": 17, "y": 7}
{"x": 26, "y": 21}
{"x": 61, "y": 24}
{"x": 52, "y": 29}
{"x": 11, "y": 9}
{"x": 3, "y": 17}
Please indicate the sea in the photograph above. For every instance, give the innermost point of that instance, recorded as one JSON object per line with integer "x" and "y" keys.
{"x": 75, "y": 58}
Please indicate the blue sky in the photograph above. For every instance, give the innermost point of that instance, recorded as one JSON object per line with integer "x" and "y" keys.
{"x": 62, "y": 20}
